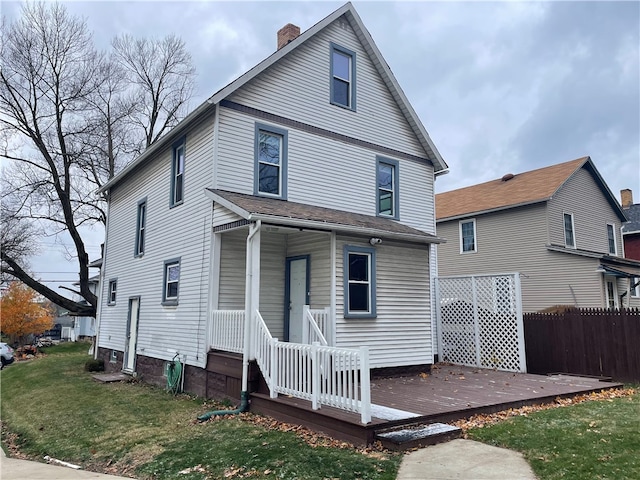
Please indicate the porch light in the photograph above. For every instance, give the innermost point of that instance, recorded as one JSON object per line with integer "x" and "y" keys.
{"x": 375, "y": 241}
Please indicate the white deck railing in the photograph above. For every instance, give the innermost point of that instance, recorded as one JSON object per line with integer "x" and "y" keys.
{"x": 338, "y": 377}
{"x": 227, "y": 330}
{"x": 322, "y": 317}
{"x": 311, "y": 331}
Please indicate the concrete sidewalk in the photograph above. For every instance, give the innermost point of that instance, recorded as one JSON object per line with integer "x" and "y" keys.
{"x": 14, "y": 469}
{"x": 462, "y": 460}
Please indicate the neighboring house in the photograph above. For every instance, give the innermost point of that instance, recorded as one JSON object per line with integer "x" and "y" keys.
{"x": 85, "y": 327}
{"x": 559, "y": 227}
{"x": 631, "y": 232}
{"x": 306, "y": 181}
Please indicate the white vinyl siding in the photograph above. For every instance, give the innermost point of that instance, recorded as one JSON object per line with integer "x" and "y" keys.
{"x": 182, "y": 328}
{"x": 223, "y": 216}
{"x": 308, "y": 178}
{"x": 277, "y": 89}
{"x": 401, "y": 332}
{"x": 510, "y": 244}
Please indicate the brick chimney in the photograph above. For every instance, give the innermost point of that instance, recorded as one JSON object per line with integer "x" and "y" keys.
{"x": 287, "y": 34}
{"x": 626, "y": 196}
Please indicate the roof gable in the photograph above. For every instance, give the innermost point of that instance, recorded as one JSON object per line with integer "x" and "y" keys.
{"x": 440, "y": 167}
{"x": 511, "y": 191}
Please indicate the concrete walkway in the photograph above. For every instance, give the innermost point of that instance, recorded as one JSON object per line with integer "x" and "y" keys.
{"x": 464, "y": 460}
{"x": 14, "y": 469}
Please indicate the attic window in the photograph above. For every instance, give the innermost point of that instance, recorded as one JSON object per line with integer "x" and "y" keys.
{"x": 343, "y": 77}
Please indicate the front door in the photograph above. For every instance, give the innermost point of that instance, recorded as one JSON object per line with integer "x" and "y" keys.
{"x": 296, "y": 296}
{"x": 612, "y": 292}
{"x": 128, "y": 364}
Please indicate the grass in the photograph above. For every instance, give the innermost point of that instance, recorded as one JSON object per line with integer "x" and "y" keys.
{"x": 51, "y": 406}
{"x": 594, "y": 440}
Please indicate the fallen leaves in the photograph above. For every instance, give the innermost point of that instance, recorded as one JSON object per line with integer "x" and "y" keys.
{"x": 482, "y": 420}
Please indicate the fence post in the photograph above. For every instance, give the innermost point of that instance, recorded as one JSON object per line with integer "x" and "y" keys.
{"x": 476, "y": 321}
{"x": 520, "y": 323}
{"x": 436, "y": 281}
{"x": 315, "y": 376}
{"x": 365, "y": 386}
{"x": 273, "y": 363}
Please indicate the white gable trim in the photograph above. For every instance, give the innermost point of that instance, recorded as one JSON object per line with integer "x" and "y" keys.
{"x": 227, "y": 204}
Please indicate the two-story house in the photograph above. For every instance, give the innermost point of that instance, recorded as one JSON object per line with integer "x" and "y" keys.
{"x": 306, "y": 182}
{"x": 558, "y": 226}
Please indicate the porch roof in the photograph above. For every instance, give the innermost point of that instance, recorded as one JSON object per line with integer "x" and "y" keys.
{"x": 622, "y": 267}
{"x": 284, "y": 212}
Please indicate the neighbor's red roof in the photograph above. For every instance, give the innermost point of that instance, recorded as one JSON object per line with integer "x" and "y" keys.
{"x": 524, "y": 188}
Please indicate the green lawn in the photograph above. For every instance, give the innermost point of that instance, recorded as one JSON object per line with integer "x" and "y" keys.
{"x": 56, "y": 409}
{"x": 591, "y": 440}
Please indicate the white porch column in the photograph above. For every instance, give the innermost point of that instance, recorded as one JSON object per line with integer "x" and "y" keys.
{"x": 252, "y": 289}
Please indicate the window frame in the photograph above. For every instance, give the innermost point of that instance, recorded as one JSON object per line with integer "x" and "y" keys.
{"x": 166, "y": 300}
{"x": 635, "y": 292}
{"x": 179, "y": 145}
{"x": 140, "y": 228}
{"x": 461, "y": 237}
{"x": 371, "y": 253}
{"x": 615, "y": 240}
{"x": 395, "y": 191}
{"x": 573, "y": 229}
{"x": 112, "y": 292}
{"x": 284, "y": 154}
{"x": 351, "y": 81}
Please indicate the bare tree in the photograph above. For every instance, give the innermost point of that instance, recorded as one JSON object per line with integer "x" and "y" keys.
{"x": 71, "y": 118}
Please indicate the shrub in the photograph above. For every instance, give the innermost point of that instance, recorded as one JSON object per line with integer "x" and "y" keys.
{"x": 94, "y": 365}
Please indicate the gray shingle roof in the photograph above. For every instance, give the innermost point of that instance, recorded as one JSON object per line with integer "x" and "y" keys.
{"x": 633, "y": 214}
{"x": 277, "y": 210}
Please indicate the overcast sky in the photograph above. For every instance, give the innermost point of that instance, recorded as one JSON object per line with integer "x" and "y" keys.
{"x": 500, "y": 87}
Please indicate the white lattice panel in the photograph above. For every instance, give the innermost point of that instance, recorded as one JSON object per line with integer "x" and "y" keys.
{"x": 480, "y": 321}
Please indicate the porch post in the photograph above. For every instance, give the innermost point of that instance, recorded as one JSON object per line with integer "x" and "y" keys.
{"x": 249, "y": 301}
{"x": 332, "y": 306}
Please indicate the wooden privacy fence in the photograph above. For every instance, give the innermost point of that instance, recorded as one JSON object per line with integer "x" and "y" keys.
{"x": 594, "y": 342}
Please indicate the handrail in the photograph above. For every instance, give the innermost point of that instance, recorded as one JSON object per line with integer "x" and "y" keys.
{"x": 310, "y": 330}
{"x": 226, "y": 331}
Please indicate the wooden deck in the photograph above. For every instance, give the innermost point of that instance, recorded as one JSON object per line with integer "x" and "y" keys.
{"x": 446, "y": 394}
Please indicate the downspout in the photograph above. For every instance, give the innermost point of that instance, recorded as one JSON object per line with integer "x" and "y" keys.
{"x": 244, "y": 394}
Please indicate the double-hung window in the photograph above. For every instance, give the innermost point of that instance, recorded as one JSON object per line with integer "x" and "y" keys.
{"x": 343, "y": 77}
{"x": 611, "y": 239}
{"x": 171, "y": 281}
{"x": 270, "y": 177}
{"x": 140, "y": 227}
{"x": 113, "y": 288}
{"x": 359, "y": 282}
{"x": 468, "y": 242}
{"x": 569, "y": 236}
{"x": 387, "y": 188}
{"x": 177, "y": 173}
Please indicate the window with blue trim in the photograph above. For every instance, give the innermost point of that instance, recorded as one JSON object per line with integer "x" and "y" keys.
{"x": 140, "y": 227}
{"x": 177, "y": 173}
{"x": 359, "y": 282}
{"x": 343, "y": 77}
{"x": 270, "y": 171}
{"x": 171, "y": 281}
{"x": 387, "y": 188}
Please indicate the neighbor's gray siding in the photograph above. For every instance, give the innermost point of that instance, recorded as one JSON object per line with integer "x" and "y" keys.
{"x": 401, "y": 333}
{"x": 582, "y": 197}
{"x": 183, "y": 231}
{"x": 301, "y": 79}
{"x": 324, "y": 172}
{"x": 515, "y": 241}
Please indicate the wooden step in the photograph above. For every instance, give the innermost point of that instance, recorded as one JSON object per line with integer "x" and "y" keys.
{"x": 419, "y": 436}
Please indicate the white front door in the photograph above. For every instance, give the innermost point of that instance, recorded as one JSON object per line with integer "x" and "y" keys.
{"x": 132, "y": 335}
{"x": 297, "y": 295}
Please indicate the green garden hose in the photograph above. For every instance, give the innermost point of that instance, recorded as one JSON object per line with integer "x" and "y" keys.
{"x": 174, "y": 375}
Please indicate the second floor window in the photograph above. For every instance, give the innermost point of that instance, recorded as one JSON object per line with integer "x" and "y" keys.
{"x": 270, "y": 161}
{"x": 140, "y": 227}
{"x": 387, "y": 179}
{"x": 611, "y": 239}
{"x": 177, "y": 173}
{"x": 569, "y": 237}
{"x": 343, "y": 72}
{"x": 467, "y": 236}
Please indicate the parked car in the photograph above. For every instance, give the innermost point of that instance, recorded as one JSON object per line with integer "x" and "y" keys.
{"x": 6, "y": 354}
